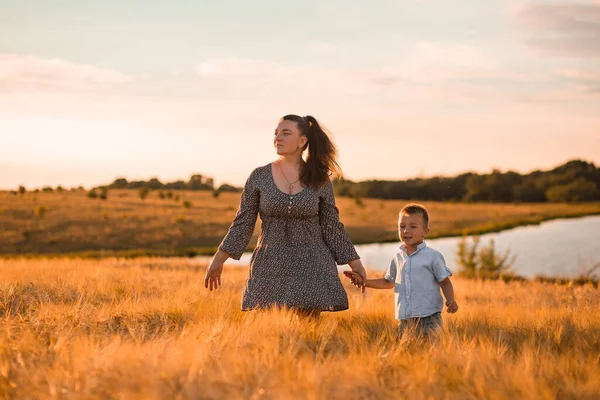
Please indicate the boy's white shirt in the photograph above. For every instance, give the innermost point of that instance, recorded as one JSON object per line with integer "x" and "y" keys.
{"x": 416, "y": 281}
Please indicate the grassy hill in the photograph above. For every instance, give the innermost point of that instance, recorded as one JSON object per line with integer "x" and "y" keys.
{"x": 70, "y": 222}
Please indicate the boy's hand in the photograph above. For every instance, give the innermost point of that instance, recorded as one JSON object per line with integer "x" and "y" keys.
{"x": 452, "y": 306}
{"x": 356, "y": 279}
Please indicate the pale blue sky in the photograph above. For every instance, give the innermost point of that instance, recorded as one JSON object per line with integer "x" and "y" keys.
{"x": 94, "y": 90}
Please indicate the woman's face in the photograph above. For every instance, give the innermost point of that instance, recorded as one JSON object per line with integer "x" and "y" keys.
{"x": 287, "y": 138}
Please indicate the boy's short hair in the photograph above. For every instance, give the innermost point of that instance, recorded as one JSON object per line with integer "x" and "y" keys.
{"x": 416, "y": 209}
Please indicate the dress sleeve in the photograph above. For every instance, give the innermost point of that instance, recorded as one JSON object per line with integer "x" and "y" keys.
{"x": 334, "y": 234}
{"x": 242, "y": 227}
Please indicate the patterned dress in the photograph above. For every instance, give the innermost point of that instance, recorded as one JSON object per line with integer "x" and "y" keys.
{"x": 301, "y": 240}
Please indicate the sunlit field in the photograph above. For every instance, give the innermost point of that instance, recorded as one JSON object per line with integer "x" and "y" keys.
{"x": 147, "y": 328}
{"x": 70, "y": 222}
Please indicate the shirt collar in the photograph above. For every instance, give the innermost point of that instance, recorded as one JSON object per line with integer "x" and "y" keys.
{"x": 419, "y": 247}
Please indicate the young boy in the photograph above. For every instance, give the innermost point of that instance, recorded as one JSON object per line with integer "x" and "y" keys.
{"x": 416, "y": 273}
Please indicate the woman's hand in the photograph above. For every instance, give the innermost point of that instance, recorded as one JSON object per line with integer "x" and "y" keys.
{"x": 355, "y": 278}
{"x": 358, "y": 268}
{"x": 212, "y": 278}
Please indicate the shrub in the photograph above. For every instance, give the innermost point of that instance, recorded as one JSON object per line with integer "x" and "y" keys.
{"x": 22, "y": 190}
{"x": 144, "y": 192}
{"x": 484, "y": 262}
{"x": 40, "y": 211}
{"x": 92, "y": 194}
{"x": 187, "y": 204}
{"x": 359, "y": 202}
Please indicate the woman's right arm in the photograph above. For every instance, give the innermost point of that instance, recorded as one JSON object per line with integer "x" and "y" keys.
{"x": 238, "y": 235}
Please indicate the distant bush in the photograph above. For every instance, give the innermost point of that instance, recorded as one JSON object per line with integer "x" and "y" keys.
{"x": 229, "y": 188}
{"x": 47, "y": 189}
{"x": 103, "y": 193}
{"x": 180, "y": 220}
{"x": 187, "y": 204}
{"x": 162, "y": 194}
{"x": 482, "y": 262}
{"x": 143, "y": 192}
{"x": 92, "y": 194}
{"x": 22, "y": 190}
{"x": 40, "y": 211}
{"x": 216, "y": 193}
{"x": 176, "y": 198}
{"x": 169, "y": 194}
{"x": 359, "y": 202}
{"x": 59, "y": 189}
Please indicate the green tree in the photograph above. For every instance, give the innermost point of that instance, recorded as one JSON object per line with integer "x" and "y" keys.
{"x": 579, "y": 190}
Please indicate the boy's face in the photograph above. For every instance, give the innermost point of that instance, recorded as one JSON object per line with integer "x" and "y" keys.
{"x": 412, "y": 229}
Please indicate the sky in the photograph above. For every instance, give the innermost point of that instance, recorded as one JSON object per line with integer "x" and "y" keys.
{"x": 95, "y": 90}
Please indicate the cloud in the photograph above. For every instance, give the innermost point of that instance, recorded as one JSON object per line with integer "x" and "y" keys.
{"x": 24, "y": 73}
{"x": 561, "y": 29}
{"x": 325, "y": 48}
{"x": 435, "y": 63}
{"x": 227, "y": 67}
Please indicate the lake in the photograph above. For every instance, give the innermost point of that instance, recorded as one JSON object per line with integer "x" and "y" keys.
{"x": 559, "y": 247}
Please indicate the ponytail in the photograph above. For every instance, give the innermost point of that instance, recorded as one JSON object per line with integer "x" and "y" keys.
{"x": 321, "y": 161}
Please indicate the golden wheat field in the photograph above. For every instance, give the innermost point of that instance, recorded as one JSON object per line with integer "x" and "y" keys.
{"x": 73, "y": 223}
{"x": 147, "y": 329}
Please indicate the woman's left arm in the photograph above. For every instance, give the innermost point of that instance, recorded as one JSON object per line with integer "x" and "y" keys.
{"x": 335, "y": 235}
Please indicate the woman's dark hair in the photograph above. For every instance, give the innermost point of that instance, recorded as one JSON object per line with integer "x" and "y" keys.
{"x": 321, "y": 161}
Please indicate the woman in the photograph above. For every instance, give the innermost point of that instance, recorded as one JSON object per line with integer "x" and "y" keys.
{"x": 302, "y": 239}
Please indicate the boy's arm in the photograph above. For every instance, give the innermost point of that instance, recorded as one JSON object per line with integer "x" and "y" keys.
{"x": 379, "y": 283}
{"x": 448, "y": 291}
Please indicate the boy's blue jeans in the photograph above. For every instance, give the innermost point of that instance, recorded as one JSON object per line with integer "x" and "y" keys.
{"x": 422, "y": 326}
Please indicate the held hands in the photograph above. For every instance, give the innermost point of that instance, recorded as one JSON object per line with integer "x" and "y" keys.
{"x": 356, "y": 279}
{"x": 452, "y": 306}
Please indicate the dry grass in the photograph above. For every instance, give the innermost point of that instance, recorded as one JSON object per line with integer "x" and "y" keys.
{"x": 74, "y": 223}
{"x": 146, "y": 328}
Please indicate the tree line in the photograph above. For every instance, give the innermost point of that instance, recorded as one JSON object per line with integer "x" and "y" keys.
{"x": 574, "y": 181}
{"x": 196, "y": 182}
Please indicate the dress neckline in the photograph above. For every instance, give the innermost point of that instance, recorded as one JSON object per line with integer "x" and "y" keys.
{"x": 277, "y": 187}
